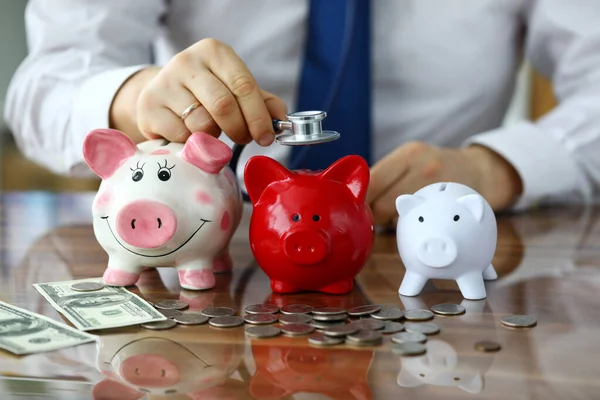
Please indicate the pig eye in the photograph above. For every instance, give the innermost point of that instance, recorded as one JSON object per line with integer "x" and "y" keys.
{"x": 316, "y": 218}
{"x": 138, "y": 172}
{"x": 421, "y": 219}
{"x": 296, "y": 217}
{"x": 456, "y": 217}
{"x": 164, "y": 172}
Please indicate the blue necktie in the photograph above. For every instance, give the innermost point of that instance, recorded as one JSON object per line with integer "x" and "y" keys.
{"x": 336, "y": 78}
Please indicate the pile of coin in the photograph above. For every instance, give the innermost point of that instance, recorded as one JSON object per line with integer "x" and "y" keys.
{"x": 219, "y": 317}
{"x": 329, "y": 326}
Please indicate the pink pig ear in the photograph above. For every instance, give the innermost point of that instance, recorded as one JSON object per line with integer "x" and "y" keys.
{"x": 108, "y": 389}
{"x": 206, "y": 152}
{"x": 105, "y": 150}
{"x": 352, "y": 171}
{"x": 260, "y": 172}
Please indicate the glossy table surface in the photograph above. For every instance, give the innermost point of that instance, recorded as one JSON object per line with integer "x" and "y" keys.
{"x": 548, "y": 263}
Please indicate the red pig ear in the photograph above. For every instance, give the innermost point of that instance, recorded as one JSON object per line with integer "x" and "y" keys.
{"x": 260, "y": 172}
{"x": 105, "y": 150}
{"x": 352, "y": 171}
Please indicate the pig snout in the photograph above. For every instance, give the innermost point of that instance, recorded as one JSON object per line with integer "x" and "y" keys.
{"x": 149, "y": 370}
{"x": 437, "y": 252}
{"x": 146, "y": 224}
{"x": 306, "y": 247}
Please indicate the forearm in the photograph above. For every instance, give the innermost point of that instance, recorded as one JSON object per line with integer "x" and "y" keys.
{"x": 67, "y": 84}
{"x": 123, "y": 110}
{"x": 499, "y": 182}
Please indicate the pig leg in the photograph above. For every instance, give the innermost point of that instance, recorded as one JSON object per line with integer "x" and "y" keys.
{"x": 196, "y": 275}
{"x": 120, "y": 273}
{"x": 339, "y": 287}
{"x": 472, "y": 286}
{"x": 222, "y": 263}
{"x": 412, "y": 284}
{"x": 489, "y": 274}
{"x": 282, "y": 287}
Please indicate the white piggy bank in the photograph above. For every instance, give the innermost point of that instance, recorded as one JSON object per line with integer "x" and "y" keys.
{"x": 163, "y": 204}
{"x": 446, "y": 231}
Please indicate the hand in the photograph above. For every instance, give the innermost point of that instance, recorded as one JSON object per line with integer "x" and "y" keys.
{"x": 415, "y": 165}
{"x": 150, "y": 103}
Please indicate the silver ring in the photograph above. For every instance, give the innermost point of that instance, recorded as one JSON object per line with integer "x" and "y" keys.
{"x": 188, "y": 110}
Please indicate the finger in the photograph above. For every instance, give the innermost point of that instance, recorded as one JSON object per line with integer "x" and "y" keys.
{"x": 234, "y": 73}
{"x": 392, "y": 167}
{"x": 161, "y": 122}
{"x": 276, "y": 107}
{"x": 384, "y": 208}
{"x": 199, "y": 120}
{"x": 220, "y": 103}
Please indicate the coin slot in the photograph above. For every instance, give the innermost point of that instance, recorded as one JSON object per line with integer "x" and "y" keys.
{"x": 442, "y": 187}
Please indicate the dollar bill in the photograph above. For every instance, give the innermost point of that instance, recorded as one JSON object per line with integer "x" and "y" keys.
{"x": 24, "y": 332}
{"x": 109, "y": 307}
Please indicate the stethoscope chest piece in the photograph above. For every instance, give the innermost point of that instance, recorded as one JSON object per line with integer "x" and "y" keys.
{"x": 306, "y": 129}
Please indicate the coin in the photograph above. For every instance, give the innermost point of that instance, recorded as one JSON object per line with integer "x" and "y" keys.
{"x": 448, "y": 309}
{"x": 191, "y": 319}
{"x": 487, "y": 346}
{"x": 365, "y": 337}
{"x": 260, "y": 319}
{"x": 87, "y": 286}
{"x": 169, "y": 313}
{"x": 426, "y": 328}
{"x": 171, "y": 305}
{"x": 388, "y": 314}
{"x": 409, "y": 348}
{"x": 519, "y": 321}
{"x": 392, "y": 327}
{"x": 295, "y": 318}
{"x": 418, "y": 315}
{"x": 226, "y": 321}
{"x": 262, "y": 309}
{"x": 364, "y": 310}
{"x": 212, "y": 312}
{"x": 262, "y": 332}
{"x": 368, "y": 324}
{"x": 341, "y": 330}
{"x": 323, "y": 340}
{"x": 159, "y": 325}
{"x": 330, "y": 317}
{"x": 403, "y": 337}
{"x": 297, "y": 329}
{"x": 328, "y": 311}
{"x": 325, "y": 324}
{"x": 296, "y": 309}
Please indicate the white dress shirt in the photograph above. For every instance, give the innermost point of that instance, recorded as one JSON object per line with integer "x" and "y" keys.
{"x": 444, "y": 73}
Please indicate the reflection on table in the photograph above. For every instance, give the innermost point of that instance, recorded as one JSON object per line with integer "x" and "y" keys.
{"x": 548, "y": 262}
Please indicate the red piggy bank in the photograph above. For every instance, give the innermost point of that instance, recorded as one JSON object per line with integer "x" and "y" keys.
{"x": 310, "y": 231}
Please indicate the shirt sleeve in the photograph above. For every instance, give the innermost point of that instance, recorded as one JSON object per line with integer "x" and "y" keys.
{"x": 558, "y": 156}
{"x": 79, "y": 54}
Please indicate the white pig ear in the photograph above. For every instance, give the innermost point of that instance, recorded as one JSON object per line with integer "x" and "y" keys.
{"x": 476, "y": 385}
{"x": 406, "y": 379}
{"x": 475, "y": 204}
{"x": 105, "y": 150}
{"x": 406, "y": 202}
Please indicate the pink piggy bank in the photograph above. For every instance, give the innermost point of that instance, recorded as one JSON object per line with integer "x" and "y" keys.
{"x": 163, "y": 204}
{"x": 310, "y": 231}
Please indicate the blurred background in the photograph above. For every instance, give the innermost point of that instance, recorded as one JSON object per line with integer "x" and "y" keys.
{"x": 532, "y": 98}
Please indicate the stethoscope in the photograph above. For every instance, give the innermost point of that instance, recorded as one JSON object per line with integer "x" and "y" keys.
{"x": 305, "y": 129}
{"x": 305, "y": 126}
